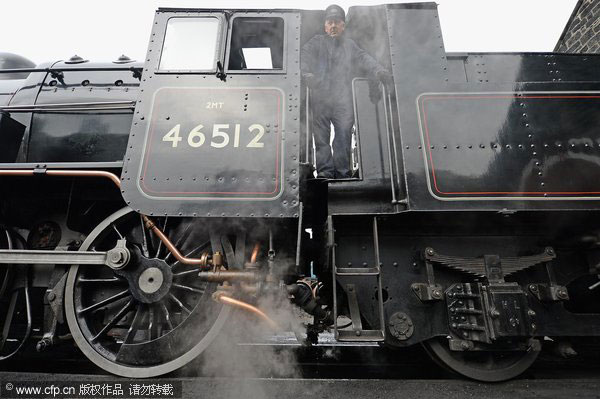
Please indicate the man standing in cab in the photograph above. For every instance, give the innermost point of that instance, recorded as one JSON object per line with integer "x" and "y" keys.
{"x": 329, "y": 63}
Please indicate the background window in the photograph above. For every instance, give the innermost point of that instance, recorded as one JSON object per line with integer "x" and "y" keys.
{"x": 256, "y": 43}
{"x": 190, "y": 44}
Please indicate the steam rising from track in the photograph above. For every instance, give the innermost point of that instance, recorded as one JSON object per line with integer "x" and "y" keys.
{"x": 232, "y": 355}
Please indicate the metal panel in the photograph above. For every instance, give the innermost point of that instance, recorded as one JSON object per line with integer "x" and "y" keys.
{"x": 83, "y": 136}
{"x": 511, "y": 145}
{"x": 421, "y": 68}
{"x": 197, "y": 146}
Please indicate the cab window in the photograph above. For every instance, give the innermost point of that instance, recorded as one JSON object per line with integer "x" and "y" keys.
{"x": 190, "y": 44}
{"x": 256, "y": 43}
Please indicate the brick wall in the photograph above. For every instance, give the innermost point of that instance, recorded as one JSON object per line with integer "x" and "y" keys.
{"x": 582, "y": 33}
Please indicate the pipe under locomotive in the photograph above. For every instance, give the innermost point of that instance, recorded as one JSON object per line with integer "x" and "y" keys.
{"x": 142, "y": 202}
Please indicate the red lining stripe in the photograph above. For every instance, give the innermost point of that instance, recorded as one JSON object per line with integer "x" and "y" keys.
{"x": 277, "y": 160}
{"x": 540, "y": 193}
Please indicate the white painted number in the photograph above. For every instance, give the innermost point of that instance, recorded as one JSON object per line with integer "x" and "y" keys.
{"x": 220, "y": 136}
{"x": 236, "y": 135}
{"x": 173, "y": 136}
{"x": 218, "y": 133}
{"x": 255, "y": 141}
{"x": 196, "y": 137}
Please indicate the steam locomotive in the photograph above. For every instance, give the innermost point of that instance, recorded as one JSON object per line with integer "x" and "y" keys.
{"x": 142, "y": 201}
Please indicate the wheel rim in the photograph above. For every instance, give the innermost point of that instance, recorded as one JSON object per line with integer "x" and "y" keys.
{"x": 487, "y": 366}
{"x": 134, "y": 339}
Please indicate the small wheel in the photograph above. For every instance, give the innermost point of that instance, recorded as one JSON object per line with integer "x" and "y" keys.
{"x": 486, "y": 366}
{"x": 151, "y": 317}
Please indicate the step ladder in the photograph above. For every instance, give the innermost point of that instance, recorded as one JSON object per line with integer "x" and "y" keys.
{"x": 357, "y": 333}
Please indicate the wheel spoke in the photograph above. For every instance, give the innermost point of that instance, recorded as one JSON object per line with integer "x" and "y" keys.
{"x": 180, "y": 304}
{"x": 152, "y": 326}
{"x": 101, "y": 280}
{"x": 188, "y": 288}
{"x": 124, "y": 310}
{"x": 167, "y": 316}
{"x": 164, "y": 230}
{"x": 117, "y": 231}
{"x": 145, "y": 250}
{"x": 195, "y": 270}
{"x": 180, "y": 240}
{"x": 105, "y": 302}
{"x": 135, "y": 326}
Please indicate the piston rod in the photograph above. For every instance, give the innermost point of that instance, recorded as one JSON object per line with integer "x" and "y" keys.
{"x": 116, "y": 258}
{"x": 40, "y": 257}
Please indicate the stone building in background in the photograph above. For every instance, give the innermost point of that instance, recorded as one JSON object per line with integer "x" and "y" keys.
{"x": 582, "y": 32}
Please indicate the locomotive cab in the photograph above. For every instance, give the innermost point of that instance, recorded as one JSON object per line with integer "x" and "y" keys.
{"x": 216, "y": 131}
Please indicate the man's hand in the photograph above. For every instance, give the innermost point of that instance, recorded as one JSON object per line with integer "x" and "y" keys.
{"x": 386, "y": 78}
{"x": 309, "y": 79}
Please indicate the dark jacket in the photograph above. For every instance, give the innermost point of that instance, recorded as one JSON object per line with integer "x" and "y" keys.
{"x": 334, "y": 63}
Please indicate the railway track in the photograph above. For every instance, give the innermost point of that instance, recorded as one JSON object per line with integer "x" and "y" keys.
{"x": 319, "y": 362}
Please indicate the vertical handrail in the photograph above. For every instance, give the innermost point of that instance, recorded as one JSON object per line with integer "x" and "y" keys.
{"x": 308, "y": 133}
{"x": 389, "y": 96}
{"x": 378, "y": 266}
{"x": 387, "y": 130}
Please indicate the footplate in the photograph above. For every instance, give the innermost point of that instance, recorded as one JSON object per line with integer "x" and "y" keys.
{"x": 489, "y": 312}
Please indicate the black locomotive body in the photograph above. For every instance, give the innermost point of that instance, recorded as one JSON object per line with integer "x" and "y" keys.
{"x": 184, "y": 185}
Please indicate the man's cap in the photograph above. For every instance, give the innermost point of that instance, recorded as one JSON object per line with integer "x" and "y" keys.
{"x": 335, "y": 12}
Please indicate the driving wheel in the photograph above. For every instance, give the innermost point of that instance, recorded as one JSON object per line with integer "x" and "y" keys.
{"x": 487, "y": 366}
{"x": 151, "y": 317}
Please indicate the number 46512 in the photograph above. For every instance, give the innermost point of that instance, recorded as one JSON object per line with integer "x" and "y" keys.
{"x": 220, "y": 137}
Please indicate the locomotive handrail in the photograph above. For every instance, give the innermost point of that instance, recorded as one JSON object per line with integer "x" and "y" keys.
{"x": 57, "y": 73}
{"x": 395, "y": 148}
{"x": 83, "y": 106}
{"x": 389, "y": 142}
{"x": 308, "y": 132}
{"x": 79, "y": 69}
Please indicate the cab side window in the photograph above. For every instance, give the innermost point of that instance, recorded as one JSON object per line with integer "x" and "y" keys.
{"x": 256, "y": 43}
{"x": 191, "y": 44}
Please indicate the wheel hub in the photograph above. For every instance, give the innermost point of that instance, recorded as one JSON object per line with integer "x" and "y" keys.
{"x": 149, "y": 279}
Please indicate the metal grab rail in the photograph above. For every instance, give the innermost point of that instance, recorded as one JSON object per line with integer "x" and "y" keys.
{"x": 389, "y": 142}
{"x": 83, "y": 106}
{"x": 308, "y": 130}
{"x": 78, "y": 69}
{"x": 58, "y": 73}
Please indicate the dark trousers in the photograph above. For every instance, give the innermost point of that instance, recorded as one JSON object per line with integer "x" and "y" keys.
{"x": 341, "y": 115}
